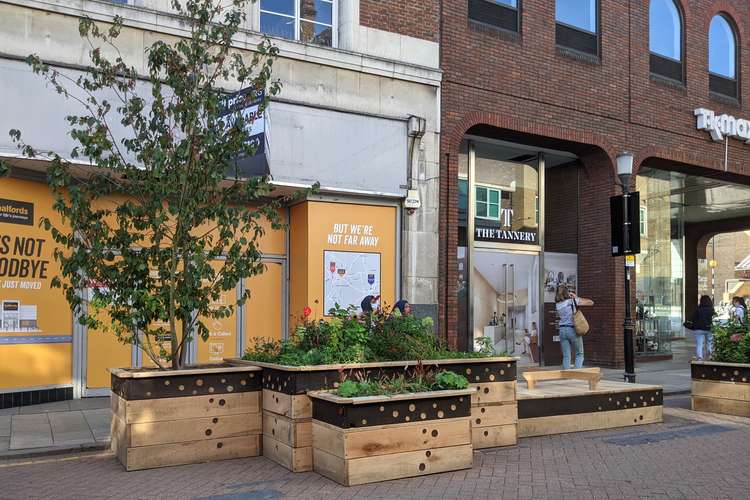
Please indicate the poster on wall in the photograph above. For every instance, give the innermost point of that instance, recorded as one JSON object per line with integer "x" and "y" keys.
{"x": 31, "y": 311}
{"x": 559, "y": 268}
{"x": 350, "y": 277}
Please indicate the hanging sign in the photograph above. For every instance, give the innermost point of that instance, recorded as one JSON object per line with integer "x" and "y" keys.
{"x": 247, "y": 102}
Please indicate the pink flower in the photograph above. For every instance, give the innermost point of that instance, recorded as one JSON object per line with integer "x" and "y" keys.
{"x": 736, "y": 337}
{"x": 306, "y": 312}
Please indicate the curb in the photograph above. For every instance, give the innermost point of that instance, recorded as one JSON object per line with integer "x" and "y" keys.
{"x": 49, "y": 451}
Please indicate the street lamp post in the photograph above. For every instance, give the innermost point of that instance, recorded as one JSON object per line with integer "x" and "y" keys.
{"x": 625, "y": 172}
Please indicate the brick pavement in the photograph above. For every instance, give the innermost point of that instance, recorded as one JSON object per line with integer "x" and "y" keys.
{"x": 701, "y": 457}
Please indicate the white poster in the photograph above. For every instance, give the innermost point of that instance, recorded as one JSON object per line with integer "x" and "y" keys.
{"x": 350, "y": 277}
{"x": 559, "y": 268}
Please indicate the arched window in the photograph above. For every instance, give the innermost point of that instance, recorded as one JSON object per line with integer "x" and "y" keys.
{"x": 577, "y": 25}
{"x": 665, "y": 39}
{"x": 722, "y": 56}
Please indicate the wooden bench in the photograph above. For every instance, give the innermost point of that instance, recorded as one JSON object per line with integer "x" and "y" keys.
{"x": 591, "y": 375}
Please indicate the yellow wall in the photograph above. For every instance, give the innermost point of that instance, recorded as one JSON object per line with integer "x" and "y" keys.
{"x": 35, "y": 365}
{"x": 316, "y": 227}
{"x": 263, "y": 311}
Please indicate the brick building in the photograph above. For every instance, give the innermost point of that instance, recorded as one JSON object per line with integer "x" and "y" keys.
{"x": 558, "y": 89}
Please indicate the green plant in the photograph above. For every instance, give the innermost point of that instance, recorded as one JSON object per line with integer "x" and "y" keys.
{"x": 401, "y": 384}
{"x": 731, "y": 343}
{"x": 163, "y": 220}
{"x": 450, "y": 380}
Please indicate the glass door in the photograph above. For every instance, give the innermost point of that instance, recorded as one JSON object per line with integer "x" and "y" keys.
{"x": 505, "y": 298}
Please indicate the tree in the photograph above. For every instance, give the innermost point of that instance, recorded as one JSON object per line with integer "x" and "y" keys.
{"x": 157, "y": 218}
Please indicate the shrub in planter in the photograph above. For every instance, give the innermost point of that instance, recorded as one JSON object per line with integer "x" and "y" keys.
{"x": 390, "y": 345}
{"x": 159, "y": 218}
{"x": 722, "y": 385}
{"x": 368, "y": 431}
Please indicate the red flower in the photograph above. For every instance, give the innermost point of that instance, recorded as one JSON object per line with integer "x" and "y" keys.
{"x": 736, "y": 337}
{"x": 306, "y": 312}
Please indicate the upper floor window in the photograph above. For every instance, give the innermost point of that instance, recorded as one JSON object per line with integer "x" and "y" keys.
{"x": 578, "y": 25}
{"x": 309, "y": 21}
{"x": 665, "y": 39}
{"x": 502, "y": 14}
{"x": 722, "y": 56}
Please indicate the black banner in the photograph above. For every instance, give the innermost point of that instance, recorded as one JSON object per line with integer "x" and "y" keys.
{"x": 16, "y": 212}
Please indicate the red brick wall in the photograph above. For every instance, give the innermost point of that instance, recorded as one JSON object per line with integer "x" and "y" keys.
{"x": 532, "y": 92}
{"x": 418, "y": 19}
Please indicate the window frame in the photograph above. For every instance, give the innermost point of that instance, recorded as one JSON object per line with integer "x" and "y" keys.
{"x": 517, "y": 9}
{"x": 298, "y": 23}
{"x": 576, "y": 34}
{"x": 643, "y": 221}
{"x": 499, "y": 203}
{"x": 717, "y": 83}
{"x": 669, "y": 67}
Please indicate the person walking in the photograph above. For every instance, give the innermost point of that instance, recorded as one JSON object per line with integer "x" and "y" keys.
{"x": 701, "y": 326}
{"x": 403, "y": 307}
{"x": 739, "y": 309}
{"x": 567, "y": 303}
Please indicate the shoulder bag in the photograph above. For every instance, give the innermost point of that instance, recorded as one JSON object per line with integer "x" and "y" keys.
{"x": 580, "y": 323}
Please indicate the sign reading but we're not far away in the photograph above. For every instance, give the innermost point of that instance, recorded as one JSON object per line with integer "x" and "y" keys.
{"x": 362, "y": 235}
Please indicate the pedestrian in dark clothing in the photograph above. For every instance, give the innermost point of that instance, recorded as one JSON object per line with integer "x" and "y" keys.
{"x": 701, "y": 326}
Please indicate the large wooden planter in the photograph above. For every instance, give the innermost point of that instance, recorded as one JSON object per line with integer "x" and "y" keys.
{"x": 162, "y": 418}
{"x": 379, "y": 438}
{"x": 721, "y": 387}
{"x": 287, "y": 410}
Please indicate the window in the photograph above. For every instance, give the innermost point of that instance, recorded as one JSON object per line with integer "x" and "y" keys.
{"x": 665, "y": 39}
{"x": 578, "y": 25}
{"x": 501, "y": 14}
{"x": 488, "y": 202}
{"x": 722, "y": 57}
{"x": 643, "y": 221}
{"x": 309, "y": 21}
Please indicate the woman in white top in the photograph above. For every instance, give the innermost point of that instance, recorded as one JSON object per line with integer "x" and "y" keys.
{"x": 566, "y": 304}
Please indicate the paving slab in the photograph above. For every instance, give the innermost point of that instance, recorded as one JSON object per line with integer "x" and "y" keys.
{"x": 10, "y": 411}
{"x": 4, "y": 444}
{"x": 45, "y": 408}
{"x": 70, "y": 428}
{"x": 99, "y": 422}
{"x": 30, "y": 431}
{"x": 5, "y": 426}
{"x": 89, "y": 403}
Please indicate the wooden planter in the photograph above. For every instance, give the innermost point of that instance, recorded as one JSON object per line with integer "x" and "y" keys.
{"x": 287, "y": 410}
{"x": 379, "y": 438}
{"x": 721, "y": 387}
{"x": 162, "y": 418}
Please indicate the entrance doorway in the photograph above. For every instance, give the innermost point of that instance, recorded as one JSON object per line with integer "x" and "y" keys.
{"x": 505, "y": 295}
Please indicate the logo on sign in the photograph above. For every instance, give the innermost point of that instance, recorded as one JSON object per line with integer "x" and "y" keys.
{"x": 370, "y": 278}
{"x": 16, "y": 212}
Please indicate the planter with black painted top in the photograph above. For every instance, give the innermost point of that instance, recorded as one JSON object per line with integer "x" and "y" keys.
{"x": 719, "y": 387}
{"x": 287, "y": 410}
{"x": 363, "y": 440}
{"x": 174, "y": 417}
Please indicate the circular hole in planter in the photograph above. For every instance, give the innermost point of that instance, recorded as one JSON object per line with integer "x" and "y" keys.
{"x": 453, "y": 407}
{"x": 435, "y": 433}
{"x": 335, "y": 385}
{"x": 492, "y": 377}
{"x": 223, "y": 381}
{"x": 167, "y": 382}
{"x": 422, "y": 467}
{"x": 382, "y": 408}
{"x": 424, "y": 431}
{"x": 645, "y": 403}
{"x": 486, "y": 433}
{"x": 252, "y": 375}
{"x": 199, "y": 382}
{"x": 222, "y": 402}
{"x": 423, "y": 416}
{"x": 486, "y": 370}
{"x": 412, "y": 407}
{"x": 468, "y": 371}
{"x": 195, "y": 392}
{"x": 635, "y": 420}
{"x": 477, "y": 378}
{"x": 406, "y": 418}
{"x": 428, "y": 453}
{"x": 364, "y": 421}
{"x": 461, "y": 399}
{"x": 502, "y": 372}
{"x": 215, "y": 420}
{"x": 211, "y": 400}
{"x": 208, "y": 432}
{"x": 211, "y": 389}
{"x": 181, "y": 387}
{"x": 479, "y": 421}
{"x": 640, "y": 417}
{"x": 440, "y": 414}
{"x": 486, "y": 390}
{"x": 395, "y": 414}
{"x": 243, "y": 382}
{"x": 434, "y": 405}
{"x": 627, "y": 399}
{"x": 148, "y": 394}
{"x": 230, "y": 388}
{"x": 273, "y": 432}
{"x": 219, "y": 445}
{"x": 482, "y": 410}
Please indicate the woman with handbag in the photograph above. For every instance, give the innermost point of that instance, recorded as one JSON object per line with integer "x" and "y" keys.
{"x": 572, "y": 326}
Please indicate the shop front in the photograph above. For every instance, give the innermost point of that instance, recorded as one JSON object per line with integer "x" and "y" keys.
{"x": 507, "y": 279}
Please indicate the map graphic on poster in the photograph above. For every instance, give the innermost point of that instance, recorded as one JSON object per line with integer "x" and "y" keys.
{"x": 350, "y": 277}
